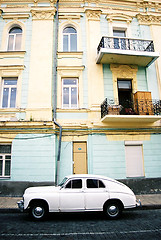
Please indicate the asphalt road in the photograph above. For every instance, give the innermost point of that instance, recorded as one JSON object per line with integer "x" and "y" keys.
{"x": 138, "y": 224}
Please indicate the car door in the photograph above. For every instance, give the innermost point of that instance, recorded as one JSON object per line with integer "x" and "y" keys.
{"x": 71, "y": 197}
{"x": 96, "y": 194}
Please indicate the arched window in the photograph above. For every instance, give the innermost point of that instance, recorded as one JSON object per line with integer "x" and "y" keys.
{"x": 14, "y": 39}
{"x": 69, "y": 39}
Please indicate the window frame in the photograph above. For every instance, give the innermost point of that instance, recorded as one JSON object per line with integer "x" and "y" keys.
{"x": 69, "y": 39}
{"x": 14, "y": 39}
{"x": 70, "y": 90}
{"x": 4, "y": 162}
{"x": 10, "y": 89}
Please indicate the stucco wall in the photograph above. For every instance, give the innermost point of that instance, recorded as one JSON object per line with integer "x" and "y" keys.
{"x": 33, "y": 158}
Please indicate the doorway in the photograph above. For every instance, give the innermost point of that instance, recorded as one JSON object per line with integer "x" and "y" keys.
{"x": 125, "y": 95}
{"x": 79, "y": 157}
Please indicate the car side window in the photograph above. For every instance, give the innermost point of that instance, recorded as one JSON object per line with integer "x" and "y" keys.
{"x": 74, "y": 184}
{"x": 94, "y": 183}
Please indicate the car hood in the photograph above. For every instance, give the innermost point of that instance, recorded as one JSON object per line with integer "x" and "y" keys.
{"x": 41, "y": 189}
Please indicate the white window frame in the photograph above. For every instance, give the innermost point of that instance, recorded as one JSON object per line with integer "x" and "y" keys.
{"x": 69, "y": 39}
{"x": 14, "y": 40}
{"x": 3, "y": 159}
{"x": 70, "y": 89}
{"x": 10, "y": 89}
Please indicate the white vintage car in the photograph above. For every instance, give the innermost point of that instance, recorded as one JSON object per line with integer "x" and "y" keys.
{"x": 79, "y": 193}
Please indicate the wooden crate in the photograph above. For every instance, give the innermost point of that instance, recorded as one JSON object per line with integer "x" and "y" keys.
{"x": 113, "y": 109}
{"x": 143, "y": 103}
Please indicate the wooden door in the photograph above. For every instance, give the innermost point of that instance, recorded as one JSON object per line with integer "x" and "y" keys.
{"x": 79, "y": 157}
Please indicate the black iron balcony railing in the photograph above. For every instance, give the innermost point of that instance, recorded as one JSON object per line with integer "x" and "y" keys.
{"x": 126, "y": 44}
{"x": 127, "y": 107}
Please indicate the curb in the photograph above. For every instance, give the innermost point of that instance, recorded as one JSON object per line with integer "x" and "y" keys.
{"x": 9, "y": 210}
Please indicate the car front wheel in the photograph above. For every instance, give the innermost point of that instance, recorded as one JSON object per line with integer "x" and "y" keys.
{"x": 38, "y": 211}
{"x": 113, "y": 210}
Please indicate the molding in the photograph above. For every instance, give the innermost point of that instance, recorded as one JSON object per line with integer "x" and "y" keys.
{"x": 69, "y": 68}
{"x": 10, "y": 54}
{"x": 69, "y": 17}
{"x": 12, "y": 67}
{"x": 43, "y": 14}
{"x": 119, "y": 17}
{"x": 70, "y": 55}
{"x": 16, "y": 16}
{"x": 11, "y": 71}
{"x": 93, "y": 15}
{"x": 146, "y": 19}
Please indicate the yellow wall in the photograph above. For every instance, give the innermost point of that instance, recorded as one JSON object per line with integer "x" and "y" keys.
{"x": 40, "y": 79}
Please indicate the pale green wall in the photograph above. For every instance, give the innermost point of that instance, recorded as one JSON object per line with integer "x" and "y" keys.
{"x": 66, "y": 160}
{"x": 33, "y": 158}
{"x": 107, "y": 157}
{"x": 25, "y": 76}
{"x": 150, "y": 71}
{"x": 141, "y": 79}
{"x": 108, "y": 82}
{"x": 152, "y": 157}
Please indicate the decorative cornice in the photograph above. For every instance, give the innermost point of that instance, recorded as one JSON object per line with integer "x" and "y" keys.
{"x": 119, "y": 17}
{"x": 43, "y": 14}
{"x": 146, "y": 19}
{"x": 93, "y": 15}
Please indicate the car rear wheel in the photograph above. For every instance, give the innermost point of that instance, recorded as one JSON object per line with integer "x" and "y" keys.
{"x": 113, "y": 209}
{"x": 38, "y": 210}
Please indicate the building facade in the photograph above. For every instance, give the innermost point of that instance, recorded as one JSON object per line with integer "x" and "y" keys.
{"x": 80, "y": 91}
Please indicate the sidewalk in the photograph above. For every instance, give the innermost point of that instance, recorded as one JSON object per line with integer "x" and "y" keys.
{"x": 149, "y": 201}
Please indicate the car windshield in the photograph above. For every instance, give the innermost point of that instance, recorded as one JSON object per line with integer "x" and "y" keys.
{"x": 62, "y": 183}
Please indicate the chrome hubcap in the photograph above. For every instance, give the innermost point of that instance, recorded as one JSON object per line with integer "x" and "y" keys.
{"x": 113, "y": 210}
{"x": 38, "y": 212}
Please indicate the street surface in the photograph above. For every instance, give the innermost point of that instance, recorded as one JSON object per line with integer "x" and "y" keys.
{"x": 138, "y": 224}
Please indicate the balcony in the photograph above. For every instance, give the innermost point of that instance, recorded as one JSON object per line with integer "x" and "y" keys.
{"x": 126, "y": 51}
{"x": 137, "y": 110}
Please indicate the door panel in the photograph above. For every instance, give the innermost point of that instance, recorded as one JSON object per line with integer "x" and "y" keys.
{"x": 71, "y": 196}
{"x": 79, "y": 157}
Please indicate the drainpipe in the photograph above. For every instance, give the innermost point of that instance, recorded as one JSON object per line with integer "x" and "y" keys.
{"x": 55, "y": 92}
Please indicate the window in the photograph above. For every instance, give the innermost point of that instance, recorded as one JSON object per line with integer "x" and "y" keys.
{"x": 70, "y": 93}
{"x": 94, "y": 183}
{"x": 5, "y": 160}
{"x": 9, "y": 91}
{"x": 69, "y": 39}
{"x": 119, "y": 33}
{"x": 14, "y": 39}
{"x": 119, "y": 42}
{"x": 77, "y": 183}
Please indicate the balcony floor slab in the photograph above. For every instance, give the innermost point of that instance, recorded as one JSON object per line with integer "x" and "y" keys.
{"x": 109, "y": 56}
{"x": 130, "y": 118}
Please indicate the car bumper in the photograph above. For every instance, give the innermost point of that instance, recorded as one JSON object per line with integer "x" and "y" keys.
{"x": 138, "y": 203}
{"x": 21, "y": 205}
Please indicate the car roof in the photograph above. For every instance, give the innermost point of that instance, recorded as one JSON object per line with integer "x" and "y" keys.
{"x": 89, "y": 176}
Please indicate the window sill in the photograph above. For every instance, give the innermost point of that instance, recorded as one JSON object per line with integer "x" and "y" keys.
{"x": 78, "y": 54}
{"x": 1, "y": 178}
{"x": 10, "y": 54}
